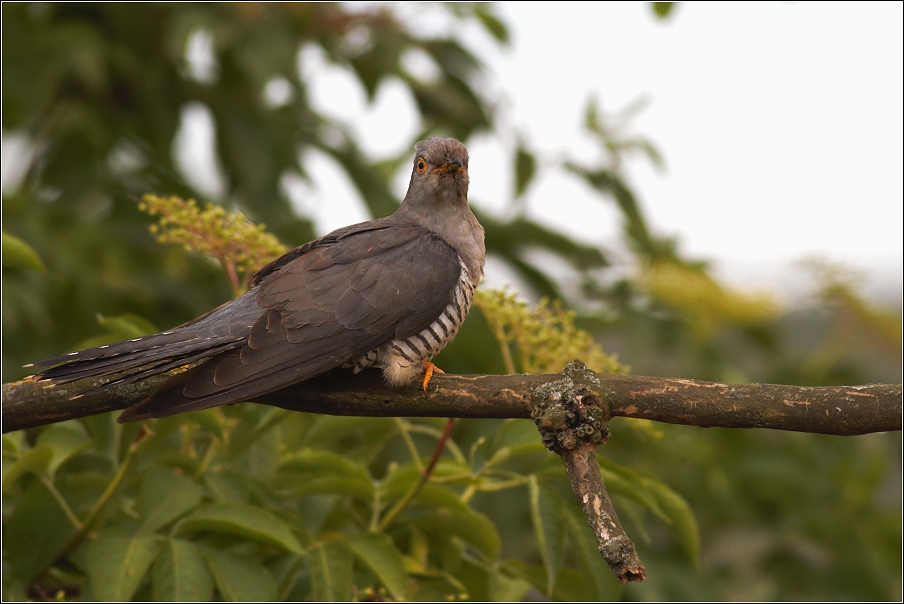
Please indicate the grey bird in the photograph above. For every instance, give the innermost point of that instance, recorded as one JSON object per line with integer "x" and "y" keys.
{"x": 387, "y": 293}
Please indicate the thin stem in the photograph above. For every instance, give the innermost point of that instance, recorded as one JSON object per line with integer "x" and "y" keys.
{"x": 404, "y": 430}
{"x": 229, "y": 266}
{"x": 107, "y": 495}
{"x": 209, "y": 454}
{"x": 506, "y": 353}
{"x": 426, "y": 473}
{"x": 375, "y": 515}
{"x": 430, "y": 430}
{"x": 59, "y": 497}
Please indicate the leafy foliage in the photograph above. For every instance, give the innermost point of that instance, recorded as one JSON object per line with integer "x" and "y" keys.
{"x": 253, "y": 503}
{"x": 265, "y": 507}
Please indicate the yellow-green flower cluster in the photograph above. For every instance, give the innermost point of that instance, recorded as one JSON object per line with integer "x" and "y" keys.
{"x": 241, "y": 246}
{"x": 543, "y": 339}
{"x": 706, "y": 303}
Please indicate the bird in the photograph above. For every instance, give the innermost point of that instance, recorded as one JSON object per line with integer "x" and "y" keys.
{"x": 388, "y": 293}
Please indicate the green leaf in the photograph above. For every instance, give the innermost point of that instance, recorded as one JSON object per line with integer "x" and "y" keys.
{"x": 246, "y": 521}
{"x": 121, "y": 327}
{"x": 350, "y": 431}
{"x": 211, "y": 420}
{"x": 34, "y": 460}
{"x": 629, "y": 483}
{"x": 157, "y": 482}
{"x": 469, "y": 526}
{"x": 117, "y": 562}
{"x": 18, "y": 254}
{"x": 505, "y": 588}
{"x": 127, "y": 325}
{"x": 516, "y": 432}
{"x": 14, "y": 442}
{"x": 240, "y": 579}
{"x": 683, "y": 522}
{"x": 492, "y": 24}
{"x": 516, "y": 437}
{"x": 165, "y": 496}
{"x": 324, "y": 472}
{"x": 381, "y": 556}
{"x": 525, "y": 169}
{"x": 181, "y": 574}
{"x": 65, "y": 440}
{"x": 330, "y": 566}
{"x": 657, "y": 497}
{"x": 546, "y": 516}
{"x": 226, "y": 487}
{"x": 597, "y": 576}
{"x": 402, "y": 479}
{"x": 571, "y": 586}
{"x": 662, "y": 9}
{"x": 105, "y": 432}
{"x": 611, "y": 183}
{"x": 34, "y": 533}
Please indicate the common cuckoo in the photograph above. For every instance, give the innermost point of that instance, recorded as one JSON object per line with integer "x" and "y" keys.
{"x": 387, "y": 293}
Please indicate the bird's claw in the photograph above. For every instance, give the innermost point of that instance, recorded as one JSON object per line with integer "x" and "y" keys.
{"x": 429, "y": 370}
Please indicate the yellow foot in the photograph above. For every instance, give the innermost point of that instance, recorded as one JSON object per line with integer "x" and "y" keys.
{"x": 429, "y": 370}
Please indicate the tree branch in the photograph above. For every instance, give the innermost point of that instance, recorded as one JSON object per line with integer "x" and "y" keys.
{"x": 841, "y": 410}
{"x": 571, "y": 410}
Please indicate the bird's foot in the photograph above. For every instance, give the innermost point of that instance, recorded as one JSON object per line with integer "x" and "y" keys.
{"x": 429, "y": 370}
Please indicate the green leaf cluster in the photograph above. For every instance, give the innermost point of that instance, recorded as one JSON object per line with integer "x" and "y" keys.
{"x": 254, "y": 503}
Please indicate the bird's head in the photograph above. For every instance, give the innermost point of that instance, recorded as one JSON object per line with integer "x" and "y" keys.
{"x": 440, "y": 172}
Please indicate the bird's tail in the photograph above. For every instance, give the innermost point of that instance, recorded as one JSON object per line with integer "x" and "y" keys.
{"x": 222, "y": 329}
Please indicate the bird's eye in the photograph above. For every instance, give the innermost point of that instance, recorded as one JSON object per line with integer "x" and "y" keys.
{"x": 421, "y": 165}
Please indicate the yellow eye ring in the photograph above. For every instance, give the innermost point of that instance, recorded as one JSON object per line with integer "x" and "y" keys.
{"x": 421, "y": 165}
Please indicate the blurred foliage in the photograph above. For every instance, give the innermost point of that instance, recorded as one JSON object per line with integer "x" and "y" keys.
{"x": 18, "y": 254}
{"x": 253, "y": 503}
{"x": 663, "y": 10}
{"x": 706, "y": 304}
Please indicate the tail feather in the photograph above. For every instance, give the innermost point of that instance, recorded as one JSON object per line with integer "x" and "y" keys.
{"x": 221, "y": 329}
{"x": 156, "y": 355}
{"x": 116, "y": 349}
{"x": 148, "y": 371}
{"x": 170, "y": 399}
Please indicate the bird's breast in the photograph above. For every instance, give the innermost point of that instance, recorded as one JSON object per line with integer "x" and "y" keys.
{"x": 401, "y": 359}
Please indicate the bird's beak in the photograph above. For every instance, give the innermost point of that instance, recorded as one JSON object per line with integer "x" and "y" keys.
{"x": 452, "y": 166}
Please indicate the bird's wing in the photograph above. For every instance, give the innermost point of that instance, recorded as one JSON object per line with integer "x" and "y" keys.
{"x": 328, "y": 306}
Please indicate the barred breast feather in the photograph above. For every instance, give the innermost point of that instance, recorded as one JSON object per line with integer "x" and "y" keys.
{"x": 402, "y": 359}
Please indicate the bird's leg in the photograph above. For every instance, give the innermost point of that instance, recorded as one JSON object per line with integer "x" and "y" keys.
{"x": 429, "y": 370}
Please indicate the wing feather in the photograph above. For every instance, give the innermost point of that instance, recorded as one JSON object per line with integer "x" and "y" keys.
{"x": 327, "y": 305}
